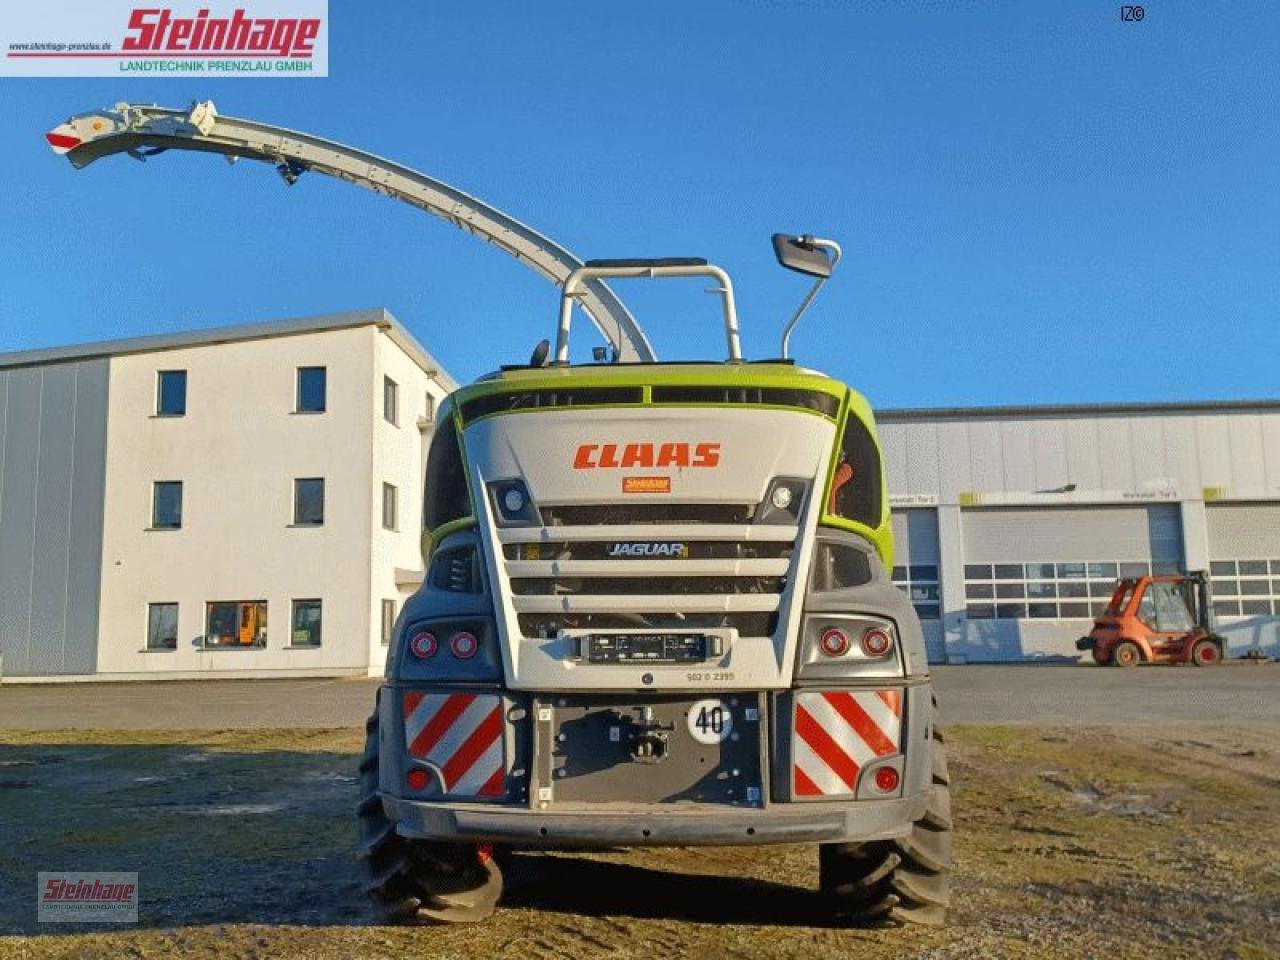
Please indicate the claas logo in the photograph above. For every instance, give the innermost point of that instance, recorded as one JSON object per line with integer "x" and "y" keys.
{"x": 625, "y": 456}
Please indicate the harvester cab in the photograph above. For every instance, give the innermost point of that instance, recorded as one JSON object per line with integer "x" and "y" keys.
{"x": 1157, "y": 619}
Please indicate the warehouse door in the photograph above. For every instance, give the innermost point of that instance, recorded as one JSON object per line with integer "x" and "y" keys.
{"x": 1244, "y": 563}
{"x": 915, "y": 535}
{"x": 1041, "y": 573}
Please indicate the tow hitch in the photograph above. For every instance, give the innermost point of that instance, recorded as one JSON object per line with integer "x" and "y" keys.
{"x": 649, "y": 739}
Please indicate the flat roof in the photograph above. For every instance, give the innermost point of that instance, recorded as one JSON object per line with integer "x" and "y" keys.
{"x": 212, "y": 336}
{"x": 1030, "y": 412}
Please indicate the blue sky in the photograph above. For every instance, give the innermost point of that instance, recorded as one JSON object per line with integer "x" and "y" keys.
{"x": 1038, "y": 203}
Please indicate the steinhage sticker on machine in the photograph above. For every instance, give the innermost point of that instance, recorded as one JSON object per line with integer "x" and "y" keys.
{"x": 113, "y": 38}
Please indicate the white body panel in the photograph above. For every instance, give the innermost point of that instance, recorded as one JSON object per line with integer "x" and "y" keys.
{"x": 540, "y": 448}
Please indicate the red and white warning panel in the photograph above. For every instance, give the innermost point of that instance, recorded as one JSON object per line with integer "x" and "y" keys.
{"x": 837, "y": 733}
{"x": 463, "y": 738}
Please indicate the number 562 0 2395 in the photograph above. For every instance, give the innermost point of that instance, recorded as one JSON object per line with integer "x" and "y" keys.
{"x": 715, "y": 676}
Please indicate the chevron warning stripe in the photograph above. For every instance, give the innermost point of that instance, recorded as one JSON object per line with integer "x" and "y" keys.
{"x": 837, "y": 733}
{"x": 461, "y": 736}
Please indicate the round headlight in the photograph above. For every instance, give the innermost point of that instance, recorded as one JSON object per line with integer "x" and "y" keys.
{"x": 513, "y": 500}
{"x": 781, "y": 497}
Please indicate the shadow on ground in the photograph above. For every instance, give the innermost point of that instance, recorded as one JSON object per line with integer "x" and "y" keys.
{"x": 589, "y": 887}
{"x": 266, "y": 837}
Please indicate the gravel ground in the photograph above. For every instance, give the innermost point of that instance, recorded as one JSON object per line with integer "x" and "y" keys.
{"x": 1072, "y": 842}
{"x": 1038, "y": 695}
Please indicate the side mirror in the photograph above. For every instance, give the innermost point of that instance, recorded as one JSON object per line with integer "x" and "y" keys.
{"x": 802, "y": 255}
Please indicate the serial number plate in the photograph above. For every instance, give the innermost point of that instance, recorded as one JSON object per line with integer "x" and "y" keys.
{"x": 647, "y": 648}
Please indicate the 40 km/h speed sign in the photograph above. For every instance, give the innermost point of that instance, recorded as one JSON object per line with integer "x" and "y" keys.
{"x": 710, "y": 721}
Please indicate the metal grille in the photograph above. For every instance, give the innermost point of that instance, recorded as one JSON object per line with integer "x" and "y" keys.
{"x": 653, "y": 566}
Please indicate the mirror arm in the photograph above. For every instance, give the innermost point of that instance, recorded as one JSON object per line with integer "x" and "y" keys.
{"x": 834, "y": 249}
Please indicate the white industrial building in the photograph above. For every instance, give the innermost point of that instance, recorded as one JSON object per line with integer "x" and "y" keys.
{"x": 241, "y": 501}
{"x": 247, "y": 501}
{"x": 1012, "y": 523}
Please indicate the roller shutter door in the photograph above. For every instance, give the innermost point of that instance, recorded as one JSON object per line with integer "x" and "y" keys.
{"x": 1034, "y": 576}
{"x": 1244, "y": 561}
{"x": 1151, "y": 534}
{"x": 915, "y": 535}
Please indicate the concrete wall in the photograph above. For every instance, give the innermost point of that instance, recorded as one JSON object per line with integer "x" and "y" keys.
{"x": 52, "y": 455}
{"x": 237, "y": 451}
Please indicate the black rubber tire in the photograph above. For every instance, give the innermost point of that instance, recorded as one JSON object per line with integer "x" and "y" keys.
{"x": 1201, "y": 647}
{"x": 906, "y": 880}
{"x": 416, "y": 881}
{"x": 1126, "y": 654}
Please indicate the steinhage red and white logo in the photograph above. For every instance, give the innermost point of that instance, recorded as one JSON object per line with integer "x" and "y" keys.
{"x": 80, "y": 897}
{"x": 160, "y": 29}
{"x": 224, "y": 38}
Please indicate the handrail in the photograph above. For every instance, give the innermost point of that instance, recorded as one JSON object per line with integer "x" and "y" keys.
{"x": 595, "y": 270}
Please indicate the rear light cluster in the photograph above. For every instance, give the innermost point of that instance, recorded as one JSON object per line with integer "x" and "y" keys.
{"x": 875, "y": 642}
{"x": 463, "y": 645}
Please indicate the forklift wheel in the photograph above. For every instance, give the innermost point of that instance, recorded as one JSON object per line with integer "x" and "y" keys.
{"x": 1126, "y": 654}
{"x": 1206, "y": 653}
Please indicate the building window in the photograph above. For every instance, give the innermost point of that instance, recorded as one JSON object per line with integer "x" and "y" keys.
{"x": 389, "y": 507}
{"x": 312, "y": 387}
{"x": 920, "y": 582}
{"x": 162, "y": 626}
{"x": 1047, "y": 591}
{"x": 166, "y": 505}
{"x": 429, "y": 408}
{"x": 388, "y": 620}
{"x": 308, "y": 501}
{"x": 390, "y": 401}
{"x": 1245, "y": 588}
{"x": 236, "y": 625}
{"x": 171, "y": 393}
{"x": 306, "y": 623}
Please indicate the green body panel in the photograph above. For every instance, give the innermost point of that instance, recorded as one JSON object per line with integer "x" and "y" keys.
{"x": 772, "y": 375}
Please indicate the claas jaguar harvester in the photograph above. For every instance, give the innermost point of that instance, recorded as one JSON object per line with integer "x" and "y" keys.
{"x": 657, "y": 611}
{"x": 656, "y": 607}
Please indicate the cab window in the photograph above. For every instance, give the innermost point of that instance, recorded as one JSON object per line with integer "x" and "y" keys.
{"x": 855, "y": 486}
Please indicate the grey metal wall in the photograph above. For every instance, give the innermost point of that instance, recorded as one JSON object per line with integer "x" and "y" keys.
{"x": 53, "y": 435}
{"x": 1237, "y": 453}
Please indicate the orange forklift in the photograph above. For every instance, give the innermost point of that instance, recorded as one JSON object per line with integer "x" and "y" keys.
{"x": 1162, "y": 619}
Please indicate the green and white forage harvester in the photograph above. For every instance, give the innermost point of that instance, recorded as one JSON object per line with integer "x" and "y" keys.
{"x": 657, "y": 611}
